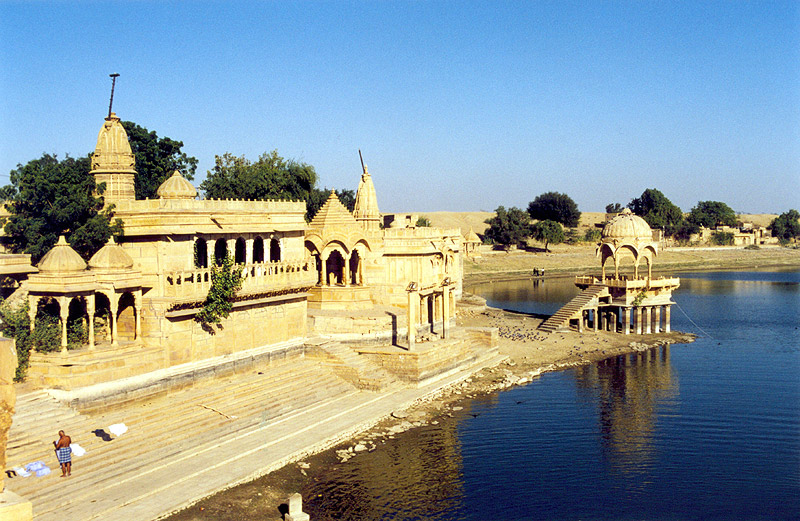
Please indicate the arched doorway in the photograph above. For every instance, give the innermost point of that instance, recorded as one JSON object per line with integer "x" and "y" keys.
{"x": 220, "y": 251}
{"x": 126, "y": 318}
{"x": 240, "y": 255}
{"x": 258, "y": 249}
{"x": 355, "y": 265}
{"x": 77, "y": 323}
{"x": 334, "y": 266}
{"x": 274, "y": 250}
{"x": 200, "y": 253}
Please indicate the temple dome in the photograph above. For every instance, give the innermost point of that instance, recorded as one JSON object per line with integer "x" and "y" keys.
{"x": 176, "y": 187}
{"x": 111, "y": 257}
{"x": 626, "y": 225}
{"x": 61, "y": 259}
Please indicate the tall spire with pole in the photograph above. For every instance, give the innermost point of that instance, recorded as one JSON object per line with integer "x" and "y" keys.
{"x": 113, "y": 77}
{"x": 366, "y": 208}
{"x": 113, "y": 162}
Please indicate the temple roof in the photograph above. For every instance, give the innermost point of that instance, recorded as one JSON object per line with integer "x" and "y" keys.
{"x": 61, "y": 259}
{"x": 366, "y": 199}
{"x": 176, "y": 187}
{"x": 333, "y": 214}
{"x": 472, "y": 236}
{"x": 113, "y": 152}
{"x": 626, "y": 225}
{"x": 111, "y": 257}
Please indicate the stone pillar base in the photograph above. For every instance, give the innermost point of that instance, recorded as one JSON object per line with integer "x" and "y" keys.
{"x": 14, "y": 507}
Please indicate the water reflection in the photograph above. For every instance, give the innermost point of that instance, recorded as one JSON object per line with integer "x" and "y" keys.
{"x": 417, "y": 475}
{"x": 628, "y": 389}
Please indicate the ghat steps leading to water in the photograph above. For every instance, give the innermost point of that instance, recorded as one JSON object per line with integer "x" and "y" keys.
{"x": 584, "y": 300}
{"x": 349, "y": 365}
{"x": 186, "y": 444}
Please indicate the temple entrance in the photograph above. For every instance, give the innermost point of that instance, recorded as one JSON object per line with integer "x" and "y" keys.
{"x": 220, "y": 251}
{"x": 274, "y": 250}
{"x": 355, "y": 268}
{"x": 240, "y": 255}
{"x": 200, "y": 253}
{"x": 334, "y": 266}
{"x": 126, "y": 318}
{"x": 258, "y": 250}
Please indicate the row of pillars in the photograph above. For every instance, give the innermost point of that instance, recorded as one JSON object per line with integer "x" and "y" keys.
{"x": 345, "y": 273}
{"x": 641, "y": 320}
{"x": 63, "y": 304}
{"x": 416, "y": 300}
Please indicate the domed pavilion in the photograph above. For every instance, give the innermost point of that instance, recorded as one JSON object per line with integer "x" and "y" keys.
{"x": 625, "y": 302}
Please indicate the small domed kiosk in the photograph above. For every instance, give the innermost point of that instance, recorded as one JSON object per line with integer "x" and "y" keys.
{"x": 625, "y": 303}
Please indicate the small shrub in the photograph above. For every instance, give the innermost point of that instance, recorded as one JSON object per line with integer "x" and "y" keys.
{"x": 722, "y": 239}
{"x": 752, "y": 247}
{"x": 592, "y": 235}
{"x": 226, "y": 280}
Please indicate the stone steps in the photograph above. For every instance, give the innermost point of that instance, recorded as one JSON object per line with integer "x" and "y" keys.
{"x": 583, "y": 300}
{"x": 134, "y": 453}
{"x": 352, "y": 367}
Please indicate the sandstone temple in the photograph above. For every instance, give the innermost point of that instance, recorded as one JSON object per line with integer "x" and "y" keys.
{"x": 308, "y": 288}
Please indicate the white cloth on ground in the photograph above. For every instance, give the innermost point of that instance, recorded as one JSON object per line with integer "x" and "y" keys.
{"x": 118, "y": 429}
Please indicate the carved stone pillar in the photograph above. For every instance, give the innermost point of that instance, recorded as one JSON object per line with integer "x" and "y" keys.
{"x": 657, "y": 320}
{"x": 113, "y": 302}
{"x": 137, "y": 308}
{"x": 346, "y": 270}
{"x": 413, "y": 305}
{"x": 63, "y": 305}
{"x": 626, "y": 321}
{"x": 666, "y": 318}
{"x": 445, "y": 311}
{"x": 647, "y": 320}
{"x": 90, "y": 308}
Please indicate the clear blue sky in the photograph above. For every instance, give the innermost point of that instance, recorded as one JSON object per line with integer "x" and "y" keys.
{"x": 455, "y": 105}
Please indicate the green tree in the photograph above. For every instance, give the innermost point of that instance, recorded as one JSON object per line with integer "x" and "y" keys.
{"x": 226, "y": 280}
{"x": 657, "y": 210}
{"x": 722, "y": 238}
{"x": 269, "y": 177}
{"x": 156, "y": 159}
{"x": 613, "y": 208}
{"x": 317, "y": 197}
{"x": 548, "y": 232}
{"x": 423, "y": 222}
{"x": 684, "y": 231}
{"x": 508, "y": 228}
{"x": 553, "y": 206}
{"x": 53, "y": 198}
{"x": 786, "y": 226}
{"x": 592, "y": 235}
{"x": 711, "y": 214}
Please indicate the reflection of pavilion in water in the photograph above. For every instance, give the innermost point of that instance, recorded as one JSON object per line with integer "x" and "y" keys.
{"x": 629, "y": 389}
{"x": 416, "y": 475}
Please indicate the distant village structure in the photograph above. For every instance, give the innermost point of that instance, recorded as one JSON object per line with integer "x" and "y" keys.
{"x": 342, "y": 276}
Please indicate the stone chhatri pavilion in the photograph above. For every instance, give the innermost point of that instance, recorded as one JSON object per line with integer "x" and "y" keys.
{"x": 624, "y": 303}
{"x": 339, "y": 277}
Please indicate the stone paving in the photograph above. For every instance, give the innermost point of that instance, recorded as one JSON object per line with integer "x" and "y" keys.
{"x": 191, "y": 443}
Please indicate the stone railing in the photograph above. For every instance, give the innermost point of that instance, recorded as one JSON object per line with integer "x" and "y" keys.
{"x": 625, "y": 281}
{"x": 256, "y": 277}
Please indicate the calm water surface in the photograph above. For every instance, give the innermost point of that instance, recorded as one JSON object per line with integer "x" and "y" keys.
{"x": 708, "y": 430}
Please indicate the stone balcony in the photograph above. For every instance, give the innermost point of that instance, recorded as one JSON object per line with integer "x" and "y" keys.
{"x": 259, "y": 277}
{"x": 629, "y": 283}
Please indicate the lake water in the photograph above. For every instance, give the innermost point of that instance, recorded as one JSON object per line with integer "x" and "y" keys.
{"x": 706, "y": 431}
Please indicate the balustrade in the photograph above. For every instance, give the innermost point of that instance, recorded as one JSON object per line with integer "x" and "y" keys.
{"x": 256, "y": 277}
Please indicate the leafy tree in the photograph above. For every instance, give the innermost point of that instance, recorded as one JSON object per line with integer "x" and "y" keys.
{"x": 508, "y": 228}
{"x": 553, "y": 206}
{"x": 657, "y": 210}
{"x": 316, "y": 198}
{"x": 786, "y": 226}
{"x": 613, "y": 208}
{"x": 55, "y": 198}
{"x": 684, "y": 231}
{"x": 722, "y": 238}
{"x": 711, "y": 214}
{"x": 423, "y": 222}
{"x": 226, "y": 280}
{"x": 548, "y": 232}
{"x": 269, "y": 177}
{"x": 156, "y": 159}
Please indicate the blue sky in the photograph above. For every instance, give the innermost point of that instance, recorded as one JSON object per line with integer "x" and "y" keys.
{"x": 456, "y": 106}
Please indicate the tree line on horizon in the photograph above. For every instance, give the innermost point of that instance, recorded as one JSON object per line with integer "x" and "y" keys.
{"x": 48, "y": 197}
{"x": 553, "y": 217}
